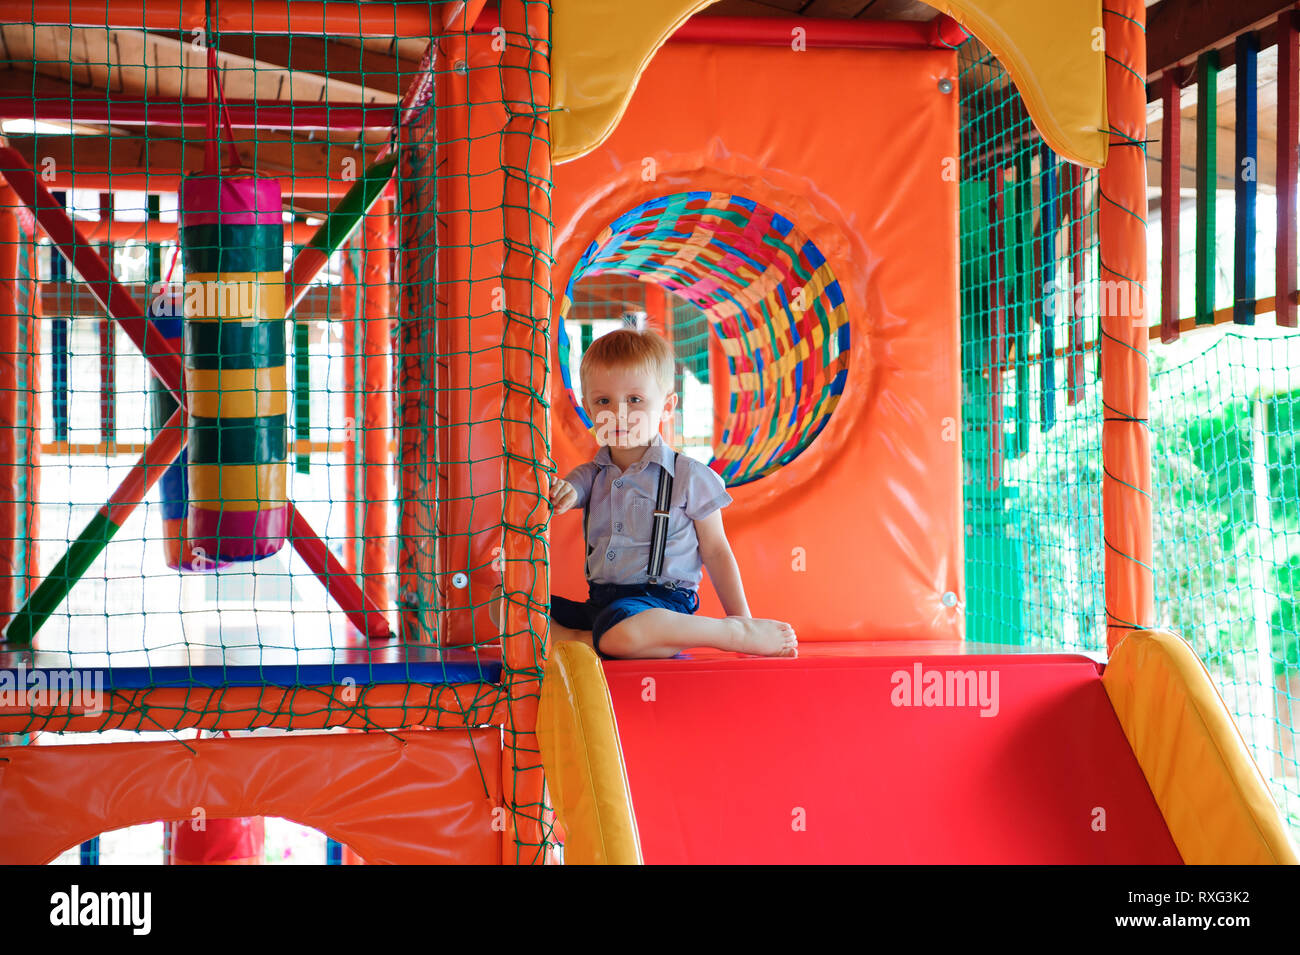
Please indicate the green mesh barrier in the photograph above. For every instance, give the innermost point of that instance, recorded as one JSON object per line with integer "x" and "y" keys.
{"x": 1223, "y": 415}
{"x": 373, "y": 610}
{"x": 1032, "y": 427}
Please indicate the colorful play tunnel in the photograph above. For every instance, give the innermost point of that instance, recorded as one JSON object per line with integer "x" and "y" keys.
{"x": 770, "y": 300}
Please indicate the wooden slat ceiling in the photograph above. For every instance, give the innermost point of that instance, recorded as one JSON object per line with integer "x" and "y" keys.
{"x": 61, "y": 61}
{"x": 49, "y": 62}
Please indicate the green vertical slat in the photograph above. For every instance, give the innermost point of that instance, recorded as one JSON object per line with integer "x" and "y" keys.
{"x": 1207, "y": 87}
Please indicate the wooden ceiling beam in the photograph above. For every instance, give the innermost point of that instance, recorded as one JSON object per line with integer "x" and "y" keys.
{"x": 1178, "y": 31}
{"x": 305, "y": 169}
{"x": 357, "y": 66}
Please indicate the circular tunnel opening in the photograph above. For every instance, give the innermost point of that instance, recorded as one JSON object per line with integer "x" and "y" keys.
{"x": 755, "y": 316}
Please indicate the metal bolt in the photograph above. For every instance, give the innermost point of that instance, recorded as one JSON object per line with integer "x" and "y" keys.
{"x": 945, "y": 85}
{"x": 461, "y": 67}
{"x": 460, "y": 581}
{"x": 949, "y": 598}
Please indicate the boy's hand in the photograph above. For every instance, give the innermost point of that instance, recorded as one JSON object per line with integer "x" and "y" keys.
{"x": 563, "y": 495}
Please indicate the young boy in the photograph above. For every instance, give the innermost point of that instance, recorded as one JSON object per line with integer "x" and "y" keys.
{"x": 652, "y": 521}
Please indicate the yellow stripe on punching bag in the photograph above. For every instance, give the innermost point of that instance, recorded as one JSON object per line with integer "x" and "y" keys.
{"x": 232, "y": 236}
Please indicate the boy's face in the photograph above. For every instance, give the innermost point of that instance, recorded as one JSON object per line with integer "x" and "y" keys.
{"x": 626, "y": 406}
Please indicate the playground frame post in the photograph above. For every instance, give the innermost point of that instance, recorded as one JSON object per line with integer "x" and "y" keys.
{"x": 1125, "y": 443}
{"x": 10, "y": 499}
{"x": 526, "y": 424}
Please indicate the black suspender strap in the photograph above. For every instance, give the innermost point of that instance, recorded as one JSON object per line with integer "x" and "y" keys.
{"x": 659, "y": 536}
{"x": 586, "y": 516}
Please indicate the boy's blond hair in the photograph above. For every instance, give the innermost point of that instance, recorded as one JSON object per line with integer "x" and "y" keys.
{"x": 628, "y": 348}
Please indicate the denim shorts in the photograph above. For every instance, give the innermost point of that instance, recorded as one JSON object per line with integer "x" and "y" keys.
{"x": 609, "y": 604}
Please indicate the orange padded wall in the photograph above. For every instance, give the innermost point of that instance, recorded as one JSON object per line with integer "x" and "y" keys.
{"x": 860, "y": 536}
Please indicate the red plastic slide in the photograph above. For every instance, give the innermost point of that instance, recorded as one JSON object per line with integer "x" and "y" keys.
{"x": 882, "y": 759}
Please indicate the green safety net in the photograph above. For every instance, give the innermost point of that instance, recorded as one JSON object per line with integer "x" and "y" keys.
{"x": 348, "y": 410}
{"x": 1223, "y": 417}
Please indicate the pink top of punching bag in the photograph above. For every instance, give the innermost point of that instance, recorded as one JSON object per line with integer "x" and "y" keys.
{"x": 230, "y": 200}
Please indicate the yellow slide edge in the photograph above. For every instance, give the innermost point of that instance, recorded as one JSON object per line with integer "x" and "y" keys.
{"x": 1212, "y": 795}
{"x": 583, "y": 760}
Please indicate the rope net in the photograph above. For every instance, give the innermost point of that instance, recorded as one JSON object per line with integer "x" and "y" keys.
{"x": 1223, "y": 414}
{"x": 266, "y": 403}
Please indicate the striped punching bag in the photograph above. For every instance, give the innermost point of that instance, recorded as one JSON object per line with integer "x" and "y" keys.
{"x": 232, "y": 236}
{"x": 166, "y": 314}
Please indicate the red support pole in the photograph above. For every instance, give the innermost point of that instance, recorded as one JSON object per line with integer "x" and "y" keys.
{"x": 1288, "y": 144}
{"x": 375, "y": 426}
{"x": 10, "y": 541}
{"x": 87, "y": 177}
{"x": 243, "y": 113}
{"x": 1170, "y": 204}
{"x": 107, "y": 356}
{"x": 33, "y": 423}
{"x": 1126, "y": 440}
{"x": 152, "y": 231}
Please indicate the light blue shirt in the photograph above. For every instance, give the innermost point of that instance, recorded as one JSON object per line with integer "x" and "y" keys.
{"x": 622, "y": 514}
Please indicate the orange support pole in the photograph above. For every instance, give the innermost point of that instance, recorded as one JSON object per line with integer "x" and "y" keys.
{"x": 463, "y": 321}
{"x": 1125, "y": 442}
{"x": 526, "y": 271}
{"x": 415, "y": 429}
{"x": 10, "y": 565}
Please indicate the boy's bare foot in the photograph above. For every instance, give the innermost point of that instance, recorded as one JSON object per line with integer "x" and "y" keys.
{"x": 767, "y": 638}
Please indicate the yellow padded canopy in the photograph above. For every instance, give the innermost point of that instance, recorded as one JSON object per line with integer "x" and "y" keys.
{"x": 1056, "y": 54}
{"x": 1053, "y": 51}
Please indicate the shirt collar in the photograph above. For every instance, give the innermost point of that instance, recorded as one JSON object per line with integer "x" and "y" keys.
{"x": 657, "y": 452}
